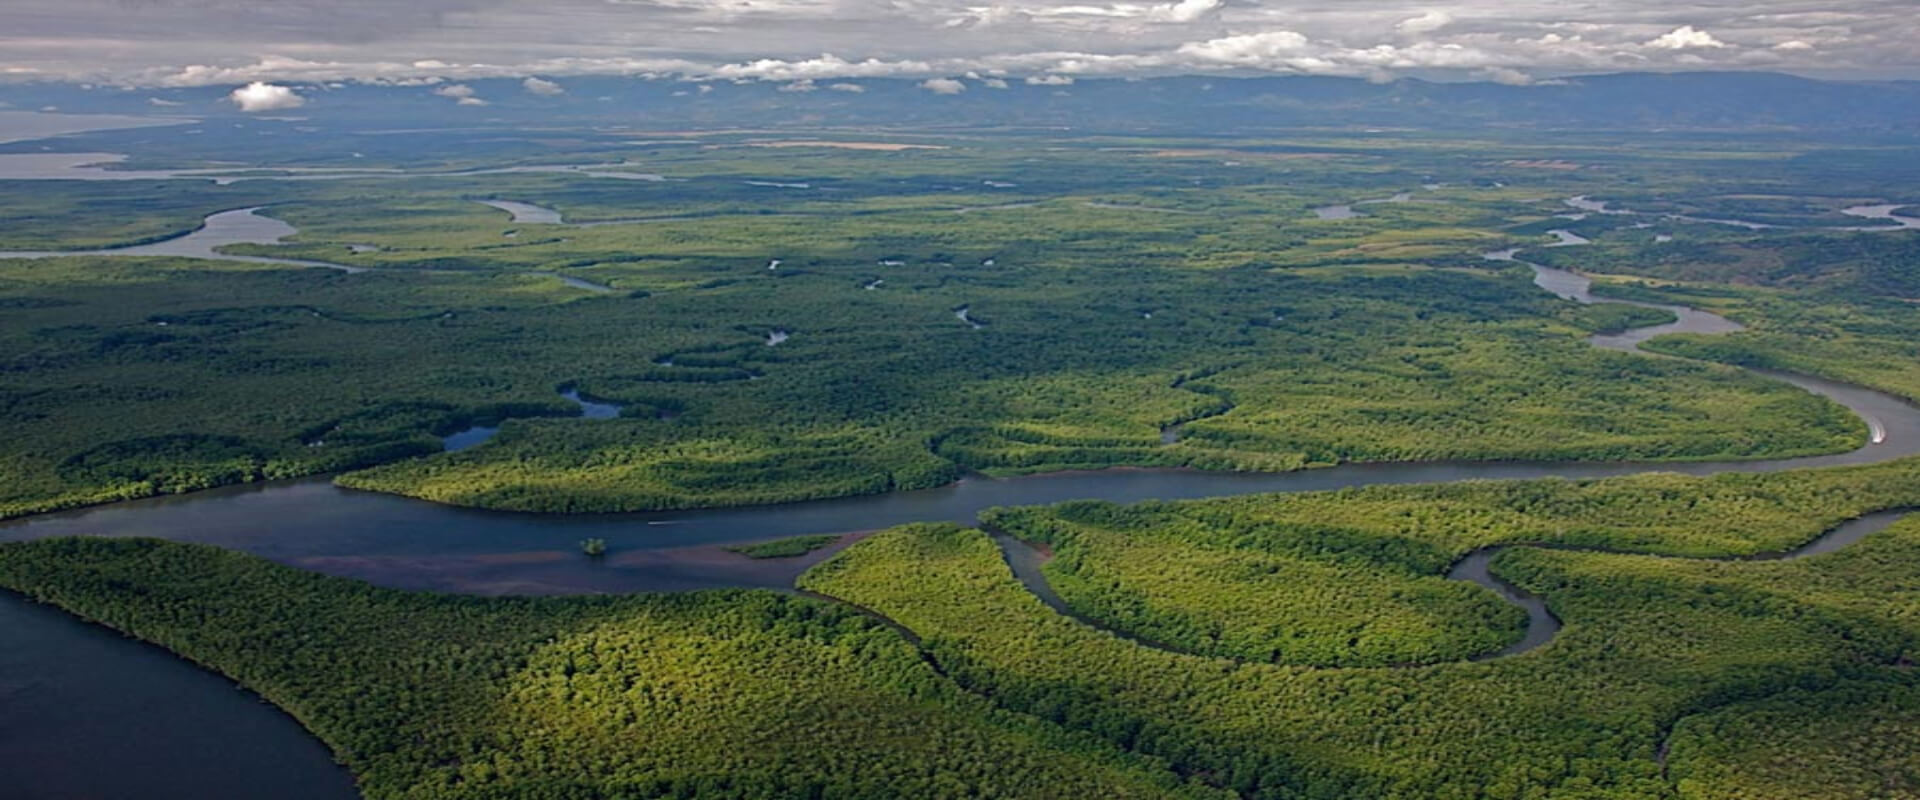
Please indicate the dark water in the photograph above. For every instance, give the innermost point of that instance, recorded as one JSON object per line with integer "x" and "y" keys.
{"x": 411, "y": 544}
{"x": 88, "y": 713}
{"x": 477, "y": 435}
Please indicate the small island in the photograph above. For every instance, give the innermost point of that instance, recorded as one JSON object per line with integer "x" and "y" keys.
{"x": 789, "y": 547}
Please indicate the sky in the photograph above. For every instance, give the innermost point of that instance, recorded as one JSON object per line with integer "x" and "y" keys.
{"x": 171, "y": 43}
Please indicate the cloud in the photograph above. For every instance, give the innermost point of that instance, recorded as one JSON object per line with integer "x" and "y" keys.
{"x": 258, "y": 96}
{"x": 1686, "y": 38}
{"x": 804, "y": 85}
{"x": 1176, "y": 12}
{"x": 461, "y": 93}
{"x": 851, "y": 88}
{"x": 163, "y": 103}
{"x": 1505, "y": 75}
{"x": 827, "y": 65}
{"x": 1050, "y": 80}
{"x": 140, "y": 43}
{"x": 1184, "y": 10}
{"x": 544, "y": 88}
{"x": 1252, "y": 50}
{"x": 943, "y": 86}
{"x": 994, "y": 83}
{"x": 1425, "y": 23}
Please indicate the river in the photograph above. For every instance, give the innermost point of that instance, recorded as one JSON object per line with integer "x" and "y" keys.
{"x": 411, "y": 544}
{"x": 248, "y": 226}
{"x": 237, "y": 226}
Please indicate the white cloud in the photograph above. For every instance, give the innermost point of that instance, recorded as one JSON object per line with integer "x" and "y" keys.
{"x": 544, "y": 88}
{"x": 1252, "y": 49}
{"x": 805, "y": 85}
{"x": 1184, "y": 10}
{"x": 1686, "y": 38}
{"x": 461, "y": 93}
{"x": 1176, "y": 12}
{"x": 1425, "y": 23}
{"x": 943, "y": 86}
{"x": 994, "y": 83}
{"x": 827, "y": 65}
{"x": 1050, "y": 80}
{"x": 258, "y": 96}
{"x": 851, "y": 88}
{"x": 317, "y": 42}
{"x": 155, "y": 101}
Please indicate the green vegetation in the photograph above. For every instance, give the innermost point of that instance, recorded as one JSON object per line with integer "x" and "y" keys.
{"x": 80, "y": 215}
{"x": 1851, "y": 741}
{"x": 757, "y": 694}
{"x": 1649, "y": 641}
{"x": 1291, "y": 592}
{"x": 1128, "y": 301}
{"x": 786, "y": 548}
{"x": 127, "y": 374}
{"x": 1124, "y": 285}
{"x": 712, "y": 694}
{"x": 1354, "y": 577}
{"x": 1837, "y": 306}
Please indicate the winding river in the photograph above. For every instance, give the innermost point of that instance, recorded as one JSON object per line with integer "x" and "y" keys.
{"x": 237, "y": 226}
{"x": 246, "y": 226}
{"x": 137, "y": 701}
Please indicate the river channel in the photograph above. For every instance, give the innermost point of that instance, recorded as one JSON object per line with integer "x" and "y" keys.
{"x": 85, "y": 711}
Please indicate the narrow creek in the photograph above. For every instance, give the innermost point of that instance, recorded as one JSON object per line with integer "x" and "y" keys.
{"x": 411, "y": 544}
{"x": 1475, "y": 567}
{"x": 475, "y": 435}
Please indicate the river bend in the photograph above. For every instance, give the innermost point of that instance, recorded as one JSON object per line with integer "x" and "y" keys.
{"x": 412, "y": 544}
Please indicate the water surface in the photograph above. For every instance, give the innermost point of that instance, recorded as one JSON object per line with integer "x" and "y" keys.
{"x": 86, "y": 712}
{"x": 238, "y": 226}
{"x": 412, "y": 544}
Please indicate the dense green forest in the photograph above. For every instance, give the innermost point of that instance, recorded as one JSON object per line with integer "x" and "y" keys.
{"x": 797, "y": 322}
{"x": 729, "y": 693}
{"x": 1117, "y": 293}
{"x": 1853, "y": 740}
{"x": 1353, "y": 578}
{"x": 1649, "y": 641}
{"x": 712, "y": 694}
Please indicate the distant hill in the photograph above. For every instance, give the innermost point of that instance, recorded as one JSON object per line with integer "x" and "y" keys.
{"x": 1627, "y": 101}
